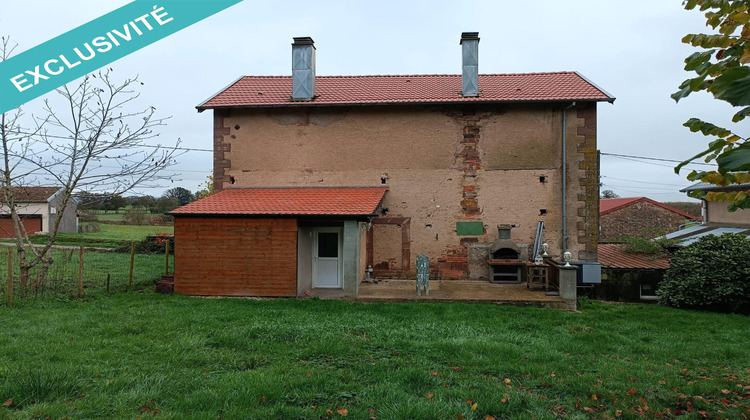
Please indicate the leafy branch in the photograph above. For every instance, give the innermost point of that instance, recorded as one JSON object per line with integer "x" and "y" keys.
{"x": 722, "y": 70}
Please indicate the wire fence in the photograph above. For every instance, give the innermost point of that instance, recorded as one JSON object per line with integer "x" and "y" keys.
{"x": 76, "y": 273}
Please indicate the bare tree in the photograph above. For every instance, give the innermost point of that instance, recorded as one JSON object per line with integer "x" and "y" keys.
{"x": 609, "y": 194}
{"x": 87, "y": 138}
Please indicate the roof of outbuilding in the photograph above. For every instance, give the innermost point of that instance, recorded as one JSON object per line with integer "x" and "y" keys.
{"x": 613, "y": 256}
{"x": 33, "y": 194}
{"x": 292, "y": 201}
{"x": 689, "y": 235}
{"x": 705, "y": 186}
{"x": 275, "y": 91}
{"x": 607, "y": 205}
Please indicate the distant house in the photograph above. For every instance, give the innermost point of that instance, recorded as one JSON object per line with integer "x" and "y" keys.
{"x": 717, "y": 218}
{"x": 626, "y": 276}
{"x": 38, "y": 207}
{"x": 638, "y": 216}
{"x": 323, "y": 180}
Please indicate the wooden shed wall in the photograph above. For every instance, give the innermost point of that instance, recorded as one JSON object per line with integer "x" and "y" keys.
{"x": 230, "y": 256}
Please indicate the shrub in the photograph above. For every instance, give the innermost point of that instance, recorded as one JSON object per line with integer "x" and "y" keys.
{"x": 86, "y": 217}
{"x": 155, "y": 244}
{"x": 135, "y": 216}
{"x": 659, "y": 246}
{"x": 88, "y": 228}
{"x": 162, "y": 219}
{"x": 712, "y": 273}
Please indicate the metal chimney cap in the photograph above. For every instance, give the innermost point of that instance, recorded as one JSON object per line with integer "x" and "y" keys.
{"x": 469, "y": 36}
{"x": 305, "y": 40}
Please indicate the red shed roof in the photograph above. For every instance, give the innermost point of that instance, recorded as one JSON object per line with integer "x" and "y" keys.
{"x": 34, "y": 194}
{"x": 270, "y": 91}
{"x": 294, "y": 201}
{"x": 607, "y": 205}
{"x": 612, "y": 256}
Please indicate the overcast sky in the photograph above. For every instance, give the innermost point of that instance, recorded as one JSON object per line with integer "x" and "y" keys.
{"x": 631, "y": 50}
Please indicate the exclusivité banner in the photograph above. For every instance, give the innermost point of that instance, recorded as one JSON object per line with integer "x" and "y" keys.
{"x": 96, "y": 44}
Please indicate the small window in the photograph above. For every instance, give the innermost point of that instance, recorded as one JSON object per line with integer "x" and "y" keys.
{"x": 328, "y": 245}
{"x": 648, "y": 290}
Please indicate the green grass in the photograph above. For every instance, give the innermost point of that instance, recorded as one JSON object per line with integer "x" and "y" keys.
{"x": 62, "y": 278}
{"x": 111, "y": 217}
{"x": 124, "y": 233}
{"x": 172, "y": 357}
{"x": 108, "y": 236}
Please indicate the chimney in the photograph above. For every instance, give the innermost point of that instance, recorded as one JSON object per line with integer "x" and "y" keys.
{"x": 503, "y": 231}
{"x": 303, "y": 69}
{"x": 470, "y": 64}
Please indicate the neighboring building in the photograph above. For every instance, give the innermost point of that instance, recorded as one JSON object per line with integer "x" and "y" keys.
{"x": 717, "y": 218}
{"x": 716, "y": 211}
{"x": 38, "y": 208}
{"x": 437, "y": 162}
{"x": 638, "y": 216}
{"x": 627, "y": 276}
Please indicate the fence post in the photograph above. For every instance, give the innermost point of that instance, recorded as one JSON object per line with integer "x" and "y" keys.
{"x": 80, "y": 273}
{"x": 132, "y": 257}
{"x": 166, "y": 257}
{"x": 10, "y": 277}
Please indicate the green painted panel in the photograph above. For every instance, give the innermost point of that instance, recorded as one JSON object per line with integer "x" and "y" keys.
{"x": 469, "y": 228}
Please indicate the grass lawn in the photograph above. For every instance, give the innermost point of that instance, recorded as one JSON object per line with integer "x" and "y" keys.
{"x": 124, "y": 233}
{"x": 62, "y": 279}
{"x": 173, "y": 357}
{"x": 113, "y": 217}
{"x": 108, "y": 236}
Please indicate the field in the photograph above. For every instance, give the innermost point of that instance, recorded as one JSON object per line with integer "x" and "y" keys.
{"x": 144, "y": 355}
{"x": 100, "y": 268}
{"x": 62, "y": 279}
{"x": 108, "y": 235}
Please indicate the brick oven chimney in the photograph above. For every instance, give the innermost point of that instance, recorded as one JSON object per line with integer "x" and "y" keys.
{"x": 470, "y": 64}
{"x": 303, "y": 69}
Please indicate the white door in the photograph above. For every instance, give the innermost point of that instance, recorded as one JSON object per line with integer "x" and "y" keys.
{"x": 327, "y": 267}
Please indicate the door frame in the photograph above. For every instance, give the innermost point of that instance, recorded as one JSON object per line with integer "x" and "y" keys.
{"x": 340, "y": 232}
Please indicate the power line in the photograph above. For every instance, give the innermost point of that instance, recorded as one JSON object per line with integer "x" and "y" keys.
{"x": 637, "y": 160}
{"x": 651, "y": 158}
{"x": 641, "y": 191}
{"x": 641, "y": 182}
{"x": 186, "y": 149}
{"x": 640, "y": 188}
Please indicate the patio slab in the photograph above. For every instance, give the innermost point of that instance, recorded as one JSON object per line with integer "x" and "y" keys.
{"x": 460, "y": 291}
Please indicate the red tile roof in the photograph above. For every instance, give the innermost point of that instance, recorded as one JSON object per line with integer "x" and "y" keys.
{"x": 612, "y": 256}
{"x": 322, "y": 201}
{"x": 33, "y": 194}
{"x": 607, "y": 205}
{"x": 269, "y": 91}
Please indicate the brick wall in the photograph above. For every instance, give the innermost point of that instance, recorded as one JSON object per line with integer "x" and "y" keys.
{"x": 587, "y": 180}
{"x": 443, "y": 164}
{"x": 221, "y": 148}
{"x": 234, "y": 256}
{"x": 642, "y": 219}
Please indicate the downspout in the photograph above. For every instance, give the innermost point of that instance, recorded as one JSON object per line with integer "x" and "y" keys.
{"x": 565, "y": 178}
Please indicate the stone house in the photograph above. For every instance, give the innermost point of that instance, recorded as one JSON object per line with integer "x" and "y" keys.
{"x": 38, "y": 208}
{"x": 436, "y": 163}
{"x": 638, "y": 216}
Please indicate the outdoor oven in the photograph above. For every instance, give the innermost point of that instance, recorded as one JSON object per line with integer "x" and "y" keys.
{"x": 507, "y": 259}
